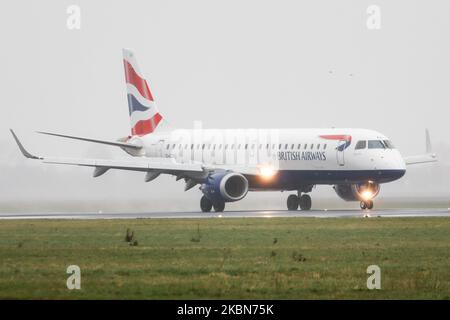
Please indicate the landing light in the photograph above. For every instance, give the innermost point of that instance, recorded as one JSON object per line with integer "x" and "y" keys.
{"x": 267, "y": 172}
{"x": 367, "y": 195}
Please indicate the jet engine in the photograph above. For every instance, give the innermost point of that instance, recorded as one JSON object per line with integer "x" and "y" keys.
{"x": 357, "y": 192}
{"x": 225, "y": 187}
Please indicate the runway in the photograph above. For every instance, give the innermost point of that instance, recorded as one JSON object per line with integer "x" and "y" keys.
{"x": 385, "y": 213}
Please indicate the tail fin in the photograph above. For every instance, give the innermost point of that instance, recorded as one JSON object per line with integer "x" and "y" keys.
{"x": 144, "y": 115}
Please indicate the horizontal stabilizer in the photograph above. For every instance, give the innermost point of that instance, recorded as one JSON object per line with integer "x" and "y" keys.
{"x": 425, "y": 158}
{"x": 428, "y": 157}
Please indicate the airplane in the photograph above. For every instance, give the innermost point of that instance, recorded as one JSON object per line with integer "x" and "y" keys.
{"x": 226, "y": 164}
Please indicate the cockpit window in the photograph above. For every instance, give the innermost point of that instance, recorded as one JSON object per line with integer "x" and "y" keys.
{"x": 376, "y": 144}
{"x": 388, "y": 144}
{"x": 360, "y": 145}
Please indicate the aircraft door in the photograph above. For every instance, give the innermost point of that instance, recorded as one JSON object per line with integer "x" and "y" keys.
{"x": 340, "y": 149}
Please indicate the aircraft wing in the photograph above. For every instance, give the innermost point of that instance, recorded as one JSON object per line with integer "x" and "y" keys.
{"x": 193, "y": 173}
{"x": 124, "y": 164}
{"x": 185, "y": 170}
{"x": 425, "y": 158}
{"x": 111, "y": 143}
{"x": 428, "y": 157}
{"x": 248, "y": 170}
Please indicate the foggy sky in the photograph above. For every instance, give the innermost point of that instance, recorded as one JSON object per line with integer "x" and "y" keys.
{"x": 231, "y": 64}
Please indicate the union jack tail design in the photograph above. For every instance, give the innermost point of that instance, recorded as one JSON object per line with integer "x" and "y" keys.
{"x": 144, "y": 115}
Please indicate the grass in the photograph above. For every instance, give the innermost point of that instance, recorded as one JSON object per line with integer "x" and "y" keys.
{"x": 276, "y": 258}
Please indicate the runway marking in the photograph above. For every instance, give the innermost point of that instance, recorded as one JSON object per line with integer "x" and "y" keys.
{"x": 268, "y": 214}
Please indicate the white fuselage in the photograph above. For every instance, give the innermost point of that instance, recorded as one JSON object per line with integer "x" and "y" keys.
{"x": 299, "y": 156}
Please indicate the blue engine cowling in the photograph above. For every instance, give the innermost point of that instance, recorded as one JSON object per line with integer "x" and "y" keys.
{"x": 226, "y": 186}
{"x": 357, "y": 192}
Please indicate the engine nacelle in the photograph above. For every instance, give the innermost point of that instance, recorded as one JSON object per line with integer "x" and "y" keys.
{"x": 357, "y": 192}
{"x": 225, "y": 186}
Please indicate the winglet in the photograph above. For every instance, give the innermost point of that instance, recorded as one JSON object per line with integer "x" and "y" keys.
{"x": 427, "y": 141}
{"x": 22, "y": 149}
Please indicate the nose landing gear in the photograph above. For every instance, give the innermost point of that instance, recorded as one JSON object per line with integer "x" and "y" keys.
{"x": 367, "y": 204}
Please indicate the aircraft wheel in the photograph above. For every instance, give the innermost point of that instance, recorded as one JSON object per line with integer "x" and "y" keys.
{"x": 369, "y": 204}
{"x": 219, "y": 207}
{"x": 205, "y": 204}
{"x": 363, "y": 205}
{"x": 305, "y": 202}
{"x": 292, "y": 202}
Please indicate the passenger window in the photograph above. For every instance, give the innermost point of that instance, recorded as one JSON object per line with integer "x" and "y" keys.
{"x": 375, "y": 144}
{"x": 305, "y": 146}
{"x": 299, "y": 146}
{"x": 312, "y": 146}
{"x": 285, "y": 146}
{"x": 360, "y": 145}
{"x": 324, "y": 146}
{"x": 292, "y": 147}
{"x": 318, "y": 146}
{"x": 167, "y": 147}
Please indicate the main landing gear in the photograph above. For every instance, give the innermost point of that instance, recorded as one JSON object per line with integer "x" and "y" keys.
{"x": 303, "y": 201}
{"x": 206, "y": 205}
{"x": 367, "y": 204}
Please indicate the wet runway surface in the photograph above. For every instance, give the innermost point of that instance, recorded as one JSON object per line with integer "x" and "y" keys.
{"x": 237, "y": 214}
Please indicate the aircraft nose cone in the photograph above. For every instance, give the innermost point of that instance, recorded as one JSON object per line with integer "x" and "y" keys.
{"x": 401, "y": 166}
{"x": 400, "y": 173}
{"x": 401, "y": 163}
